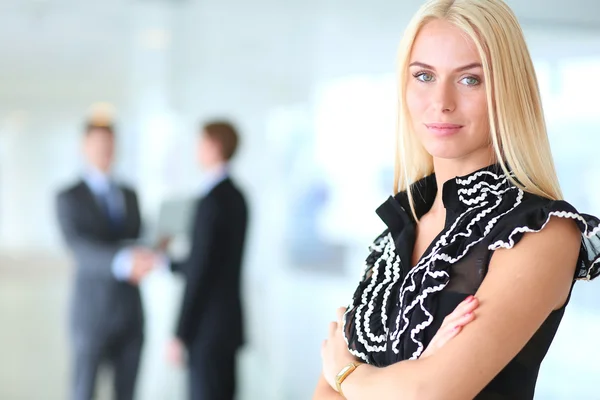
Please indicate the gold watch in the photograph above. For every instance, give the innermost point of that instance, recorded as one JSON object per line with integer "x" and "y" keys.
{"x": 343, "y": 374}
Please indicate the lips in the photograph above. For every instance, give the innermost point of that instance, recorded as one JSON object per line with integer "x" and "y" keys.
{"x": 443, "y": 129}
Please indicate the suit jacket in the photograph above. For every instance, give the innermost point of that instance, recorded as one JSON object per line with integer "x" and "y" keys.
{"x": 100, "y": 305}
{"x": 211, "y": 313}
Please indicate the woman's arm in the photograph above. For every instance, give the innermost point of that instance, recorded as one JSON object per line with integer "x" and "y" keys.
{"x": 325, "y": 392}
{"x": 523, "y": 286}
{"x": 335, "y": 353}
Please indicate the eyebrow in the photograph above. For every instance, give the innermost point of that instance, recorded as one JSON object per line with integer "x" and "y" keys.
{"x": 459, "y": 69}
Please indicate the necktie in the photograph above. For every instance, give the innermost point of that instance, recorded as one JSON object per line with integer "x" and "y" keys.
{"x": 109, "y": 204}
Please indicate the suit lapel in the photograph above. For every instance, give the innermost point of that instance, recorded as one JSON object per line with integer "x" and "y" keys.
{"x": 88, "y": 200}
{"x": 218, "y": 186}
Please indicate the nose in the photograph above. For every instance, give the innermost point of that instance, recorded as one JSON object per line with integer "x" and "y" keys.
{"x": 444, "y": 98}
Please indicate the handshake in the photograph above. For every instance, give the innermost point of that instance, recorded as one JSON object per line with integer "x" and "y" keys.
{"x": 144, "y": 260}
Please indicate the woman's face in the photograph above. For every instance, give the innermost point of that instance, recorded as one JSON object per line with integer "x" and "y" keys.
{"x": 446, "y": 94}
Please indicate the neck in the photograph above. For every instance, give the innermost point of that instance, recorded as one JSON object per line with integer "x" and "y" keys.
{"x": 99, "y": 171}
{"x": 446, "y": 169}
{"x": 216, "y": 168}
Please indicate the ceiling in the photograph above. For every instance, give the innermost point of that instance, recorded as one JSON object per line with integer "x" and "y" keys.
{"x": 49, "y": 45}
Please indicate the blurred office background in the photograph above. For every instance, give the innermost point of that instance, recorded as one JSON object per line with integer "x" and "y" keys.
{"x": 311, "y": 87}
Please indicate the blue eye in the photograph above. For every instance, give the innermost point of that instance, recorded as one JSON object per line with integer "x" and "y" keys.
{"x": 424, "y": 77}
{"x": 470, "y": 81}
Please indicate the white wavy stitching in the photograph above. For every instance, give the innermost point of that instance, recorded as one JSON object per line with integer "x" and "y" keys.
{"x": 484, "y": 192}
{"x": 387, "y": 248}
{"x": 486, "y": 211}
{"x": 388, "y": 253}
{"x": 427, "y": 262}
{"x": 388, "y": 290}
{"x": 447, "y": 258}
{"x": 377, "y": 246}
{"x": 476, "y": 175}
{"x": 524, "y": 229}
{"x": 589, "y": 271}
{"x": 478, "y": 186}
{"x": 423, "y": 264}
{"x": 425, "y": 324}
{"x": 427, "y": 266}
{"x": 410, "y": 275}
{"x": 364, "y": 302}
{"x": 391, "y": 262}
{"x": 561, "y": 214}
{"x": 354, "y": 352}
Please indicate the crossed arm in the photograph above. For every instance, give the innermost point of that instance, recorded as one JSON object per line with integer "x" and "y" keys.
{"x": 523, "y": 286}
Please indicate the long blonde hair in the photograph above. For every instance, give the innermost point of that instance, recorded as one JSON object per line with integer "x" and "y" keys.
{"x": 518, "y": 130}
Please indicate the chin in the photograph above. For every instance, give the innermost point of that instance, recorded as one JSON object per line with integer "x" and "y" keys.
{"x": 460, "y": 152}
{"x": 447, "y": 151}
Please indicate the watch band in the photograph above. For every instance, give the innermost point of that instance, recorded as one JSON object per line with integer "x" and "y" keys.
{"x": 343, "y": 374}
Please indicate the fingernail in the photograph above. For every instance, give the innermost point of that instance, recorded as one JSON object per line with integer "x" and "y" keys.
{"x": 470, "y": 299}
{"x": 457, "y": 327}
{"x": 469, "y": 314}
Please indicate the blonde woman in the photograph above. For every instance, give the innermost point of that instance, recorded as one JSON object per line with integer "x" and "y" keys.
{"x": 478, "y": 212}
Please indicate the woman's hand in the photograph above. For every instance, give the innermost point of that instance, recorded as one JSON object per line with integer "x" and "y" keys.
{"x": 334, "y": 352}
{"x": 452, "y": 325}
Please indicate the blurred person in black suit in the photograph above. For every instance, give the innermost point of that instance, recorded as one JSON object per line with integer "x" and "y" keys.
{"x": 210, "y": 325}
{"x": 100, "y": 219}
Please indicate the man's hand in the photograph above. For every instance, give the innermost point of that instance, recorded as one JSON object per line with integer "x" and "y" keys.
{"x": 143, "y": 261}
{"x": 175, "y": 352}
{"x": 163, "y": 244}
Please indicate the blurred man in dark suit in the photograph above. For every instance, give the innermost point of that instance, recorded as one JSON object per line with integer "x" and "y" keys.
{"x": 210, "y": 322}
{"x": 99, "y": 220}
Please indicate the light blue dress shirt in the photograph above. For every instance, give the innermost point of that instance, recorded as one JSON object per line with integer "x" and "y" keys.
{"x": 214, "y": 178}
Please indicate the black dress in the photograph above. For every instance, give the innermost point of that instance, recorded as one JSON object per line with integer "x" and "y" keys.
{"x": 396, "y": 310}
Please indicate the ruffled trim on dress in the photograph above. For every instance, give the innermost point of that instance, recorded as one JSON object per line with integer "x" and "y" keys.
{"x": 535, "y": 220}
{"x": 393, "y": 304}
